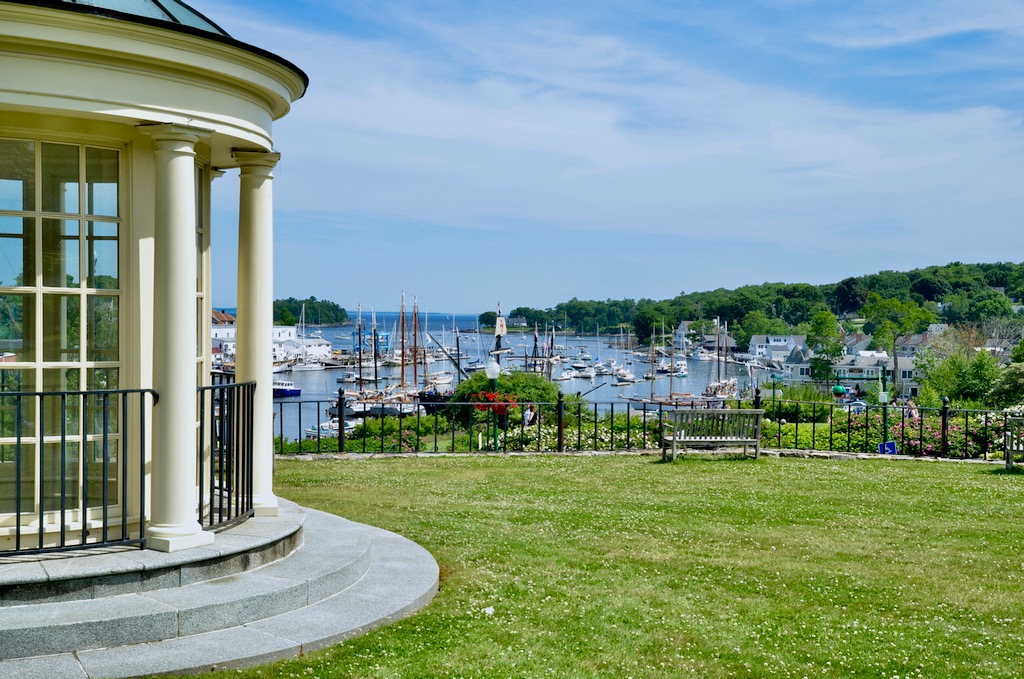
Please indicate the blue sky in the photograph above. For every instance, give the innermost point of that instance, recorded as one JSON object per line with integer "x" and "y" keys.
{"x": 531, "y": 152}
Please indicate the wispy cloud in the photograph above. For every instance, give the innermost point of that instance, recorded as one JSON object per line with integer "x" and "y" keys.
{"x": 422, "y": 122}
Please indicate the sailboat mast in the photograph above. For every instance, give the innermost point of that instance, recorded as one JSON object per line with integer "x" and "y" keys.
{"x": 376, "y": 343}
{"x": 672, "y": 361}
{"x": 415, "y": 342}
{"x": 401, "y": 331}
{"x": 359, "y": 338}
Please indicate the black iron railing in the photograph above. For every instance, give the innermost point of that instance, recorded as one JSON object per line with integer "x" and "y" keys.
{"x": 626, "y": 425}
{"x": 225, "y": 454}
{"x": 467, "y": 427}
{"x": 71, "y": 469}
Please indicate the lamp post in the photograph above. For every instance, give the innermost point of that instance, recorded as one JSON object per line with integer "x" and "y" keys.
{"x": 492, "y": 370}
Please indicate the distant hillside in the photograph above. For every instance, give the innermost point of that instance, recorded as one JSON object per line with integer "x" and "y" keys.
{"x": 955, "y": 293}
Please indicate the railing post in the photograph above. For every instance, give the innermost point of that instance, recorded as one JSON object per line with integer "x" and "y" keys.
{"x": 757, "y": 398}
{"x": 1011, "y": 440}
{"x": 341, "y": 420}
{"x": 560, "y": 411}
{"x": 945, "y": 426}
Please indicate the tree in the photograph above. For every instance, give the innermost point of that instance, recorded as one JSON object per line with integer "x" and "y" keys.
{"x": 318, "y": 312}
{"x": 893, "y": 319}
{"x": 488, "y": 319}
{"x": 643, "y": 323}
{"x": 1009, "y": 387}
{"x": 931, "y": 287}
{"x": 1017, "y": 355}
{"x": 533, "y": 317}
{"x": 850, "y": 295}
{"x": 826, "y": 341}
{"x": 987, "y": 304}
{"x": 965, "y": 376}
{"x": 526, "y": 387}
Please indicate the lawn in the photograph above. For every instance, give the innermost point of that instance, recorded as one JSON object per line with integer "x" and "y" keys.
{"x": 624, "y": 566}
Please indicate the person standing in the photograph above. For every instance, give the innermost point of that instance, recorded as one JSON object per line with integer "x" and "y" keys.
{"x": 529, "y": 416}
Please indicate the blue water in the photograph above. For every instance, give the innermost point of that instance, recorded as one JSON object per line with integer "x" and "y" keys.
{"x": 322, "y": 385}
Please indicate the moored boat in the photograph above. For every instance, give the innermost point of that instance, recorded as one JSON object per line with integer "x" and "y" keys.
{"x": 285, "y": 389}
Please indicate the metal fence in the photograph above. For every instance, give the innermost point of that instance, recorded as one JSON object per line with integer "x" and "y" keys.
{"x": 71, "y": 468}
{"x": 608, "y": 426}
{"x": 898, "y": 429}
{"x": 225, "y": 454}
{"x": 471, "y": 427}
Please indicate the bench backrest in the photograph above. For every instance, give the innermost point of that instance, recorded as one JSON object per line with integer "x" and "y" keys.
{"x": 720, "y": 423}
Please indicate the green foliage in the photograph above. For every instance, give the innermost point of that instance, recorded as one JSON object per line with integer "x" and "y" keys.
{"x": 644, "y": 322}
{"x": 970, "y": 435}
{"x": 1008, "y": 389}
{"x": 793, "y": 411}
{"x": 988, "y": 303}
{"x": 526, "y": 387}
{"x": 783, "y": 308}
{"x": 964, "y": 378}
{"x": 488, "y": 319}
{"x": 318, "y": 312}
{"x": 826, "y": 341}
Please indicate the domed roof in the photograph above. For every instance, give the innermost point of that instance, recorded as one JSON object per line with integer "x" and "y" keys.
{"x": 170, "y": 14}
{"x": 176, "y": 14}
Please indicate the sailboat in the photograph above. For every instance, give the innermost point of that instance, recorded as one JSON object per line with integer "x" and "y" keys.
{"x": 307, "y": 363}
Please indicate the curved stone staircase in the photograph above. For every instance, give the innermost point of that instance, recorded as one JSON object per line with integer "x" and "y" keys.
{"x": 268, "y": 589}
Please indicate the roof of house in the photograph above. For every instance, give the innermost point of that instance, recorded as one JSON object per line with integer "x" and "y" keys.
{"x": 222, "y": 317}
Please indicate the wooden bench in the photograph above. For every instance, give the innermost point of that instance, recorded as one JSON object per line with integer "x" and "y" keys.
{"x": 711, "y": 428}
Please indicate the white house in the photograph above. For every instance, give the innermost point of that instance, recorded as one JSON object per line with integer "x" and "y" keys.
{"x": 776, "y": 348}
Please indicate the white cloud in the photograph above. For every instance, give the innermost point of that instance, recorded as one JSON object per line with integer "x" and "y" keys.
{"x": 542, "y": 124}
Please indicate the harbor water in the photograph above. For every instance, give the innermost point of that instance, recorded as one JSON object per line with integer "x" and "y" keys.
{"x": 319, "y": 386}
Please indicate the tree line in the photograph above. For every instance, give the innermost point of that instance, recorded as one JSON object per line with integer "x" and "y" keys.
{"x": 318, "y": 312}
{"x": 954, "y": 293}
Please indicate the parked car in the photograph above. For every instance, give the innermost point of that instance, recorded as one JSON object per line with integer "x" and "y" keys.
{"x": 856, "y": 407}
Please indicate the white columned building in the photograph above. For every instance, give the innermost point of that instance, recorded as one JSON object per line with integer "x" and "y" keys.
{"x": 173, "y": 520}
{"x": 115, "y": 117}
{"x": 255, "y": 342}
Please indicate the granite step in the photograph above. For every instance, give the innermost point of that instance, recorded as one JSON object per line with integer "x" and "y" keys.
{"x": 345, "y": 579}
{"x": 108, "y": 571}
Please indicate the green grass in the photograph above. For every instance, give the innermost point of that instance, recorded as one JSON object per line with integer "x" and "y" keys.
{"x": 624, "y": 566}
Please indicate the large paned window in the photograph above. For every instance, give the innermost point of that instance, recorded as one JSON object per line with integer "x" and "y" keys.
{"x": 60, "y": 325}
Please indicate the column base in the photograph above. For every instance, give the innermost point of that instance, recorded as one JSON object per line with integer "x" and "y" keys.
{"x": 264, "y": 505}
{"x": 177, "y": 541}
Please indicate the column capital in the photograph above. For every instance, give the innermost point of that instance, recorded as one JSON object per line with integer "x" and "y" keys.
{"x": 256, "y": 159}
{"x": 174, "y": 132}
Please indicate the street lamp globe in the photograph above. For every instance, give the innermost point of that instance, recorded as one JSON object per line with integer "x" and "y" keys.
{"x": 492, "y": 369}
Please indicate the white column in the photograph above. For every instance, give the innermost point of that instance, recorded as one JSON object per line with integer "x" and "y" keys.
{"x": 174, "y": 523}
{"x": 254, "y": 347}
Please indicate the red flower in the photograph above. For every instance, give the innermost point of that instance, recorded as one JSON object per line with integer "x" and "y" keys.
{"x": 493, "y": 401}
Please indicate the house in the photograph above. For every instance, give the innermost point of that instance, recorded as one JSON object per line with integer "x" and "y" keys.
{"x": 774, "y": 348}
{"x": 855, "y": 342}
{"x": 911, "y": 345}
{"x": 221, "y": 317}
{"x": 863, "y": 369}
